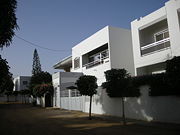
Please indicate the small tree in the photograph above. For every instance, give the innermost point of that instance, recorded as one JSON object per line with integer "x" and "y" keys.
{"x": 87, "y": 86}
{"x": 119, "y": 84}
{"x": 40, "y": 89}
{"x": 36, "y": 67}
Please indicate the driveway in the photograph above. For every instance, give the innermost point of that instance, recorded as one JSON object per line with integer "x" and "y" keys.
{"x": 21, "y": 119}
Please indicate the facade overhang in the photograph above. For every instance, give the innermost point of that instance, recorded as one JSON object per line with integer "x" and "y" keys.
{"x": 64, "y": 64}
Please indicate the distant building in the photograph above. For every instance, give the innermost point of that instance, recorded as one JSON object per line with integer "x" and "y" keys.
{"x": 21, "y": 83}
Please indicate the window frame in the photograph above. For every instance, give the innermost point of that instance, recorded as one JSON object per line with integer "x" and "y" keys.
{"x": 76, "y": 62}
{"x": 161, "y": 33}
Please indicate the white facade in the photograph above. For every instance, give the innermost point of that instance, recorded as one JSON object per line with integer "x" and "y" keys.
{"x": 156, "y": 38}
{"x": 21, "y": 83}
{"x": 106, "y": 49}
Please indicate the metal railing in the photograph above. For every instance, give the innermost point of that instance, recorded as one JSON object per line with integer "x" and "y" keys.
{"x": 95, "y": 63}
{"x": 156, "y": 46}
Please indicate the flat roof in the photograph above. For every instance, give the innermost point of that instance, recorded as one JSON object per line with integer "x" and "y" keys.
{"x": 66, "y": 62}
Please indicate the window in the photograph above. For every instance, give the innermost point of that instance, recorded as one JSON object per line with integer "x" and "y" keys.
{"x": 76, "y": 63}
{"x": 25, "y": 82}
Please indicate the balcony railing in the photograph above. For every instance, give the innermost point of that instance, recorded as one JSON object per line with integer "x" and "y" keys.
{"x": 156, "y": 46}
{"x": 95, "y": 63}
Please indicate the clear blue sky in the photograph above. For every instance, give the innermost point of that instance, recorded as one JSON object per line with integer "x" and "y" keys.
{"x": 61, "y": 24}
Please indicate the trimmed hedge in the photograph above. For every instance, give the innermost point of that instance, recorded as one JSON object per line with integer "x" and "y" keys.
{"x": 164, "y": 84}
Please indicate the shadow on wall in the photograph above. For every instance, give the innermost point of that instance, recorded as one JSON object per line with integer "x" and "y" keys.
{"x": 161, "y": 108}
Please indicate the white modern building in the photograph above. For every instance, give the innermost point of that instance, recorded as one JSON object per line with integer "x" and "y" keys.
{"x": 21, "y": 83}
{"x": 108, "y": 48}
{"x": 156, "y": 38}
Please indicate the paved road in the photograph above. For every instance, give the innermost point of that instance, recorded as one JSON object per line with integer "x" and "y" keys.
{"x": 19, "y": 119}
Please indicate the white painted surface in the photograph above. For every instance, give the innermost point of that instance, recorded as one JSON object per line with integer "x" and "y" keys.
{"x": 96, "y": 40}
{"x": 19, "y": 98}
{"x": 61, "y": 81}
{"x": 18, "y": 82}
{"x": 72, "y": 103}
{"x": 56, "y": 84}
{"x": 121, "y": 53}
{"x": 148, "y": 108}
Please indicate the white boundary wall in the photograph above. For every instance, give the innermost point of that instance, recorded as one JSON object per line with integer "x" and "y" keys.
{"x": 148, "y": 108}
{"x": 19, "y": 98}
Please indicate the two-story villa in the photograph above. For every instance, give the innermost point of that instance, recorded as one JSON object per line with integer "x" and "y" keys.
{"x": 108, "y": 48}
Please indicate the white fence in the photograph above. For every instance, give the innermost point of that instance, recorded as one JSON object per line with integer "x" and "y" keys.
{"x": 71, "y": 100}
{"x": 72, "y": 103}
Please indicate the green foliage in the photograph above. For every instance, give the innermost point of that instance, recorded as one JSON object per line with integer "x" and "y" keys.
{"x": 119, "y": 84}
{"x": 4, "y": 69}
{"x": 163, "y": 84}
{"x": 24, "y": 92}
{"x": 15, "y": 93}
{"x": 8, "y": 22}
{"x": 173, "y": 75}
{"x": 36, "y": 67}
{"x": 40, "y": 78}
{"x": 87, "y": 85}
{"x": 6, "y": 82}
{"x": 8, "y": 93}
{"x": 40, "y": 89}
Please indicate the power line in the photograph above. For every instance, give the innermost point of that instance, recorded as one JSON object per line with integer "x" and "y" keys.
{"x": 33, "y": 44}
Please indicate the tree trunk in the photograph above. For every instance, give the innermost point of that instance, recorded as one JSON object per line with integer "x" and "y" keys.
{"x": 123, "y": 113}
{"x": 25, "y": 99}
{"x": 90, "y": 108}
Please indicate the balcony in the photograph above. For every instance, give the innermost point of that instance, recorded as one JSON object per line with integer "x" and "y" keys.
{"x": 97, "y": 59}
{"x": 156, "y": 46}
{"x": 154, "y": 38}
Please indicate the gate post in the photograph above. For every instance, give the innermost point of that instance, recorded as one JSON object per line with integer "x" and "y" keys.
{"x": 69, "y": 99}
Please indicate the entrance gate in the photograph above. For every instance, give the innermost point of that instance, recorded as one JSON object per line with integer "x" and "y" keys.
{"x": 71, "y": 100}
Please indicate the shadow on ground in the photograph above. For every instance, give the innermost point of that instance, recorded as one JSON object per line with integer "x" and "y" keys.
{"x": 20, "y": 119}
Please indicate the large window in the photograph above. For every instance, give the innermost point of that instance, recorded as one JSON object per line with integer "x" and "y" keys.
{"x": 76, "y": 63}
